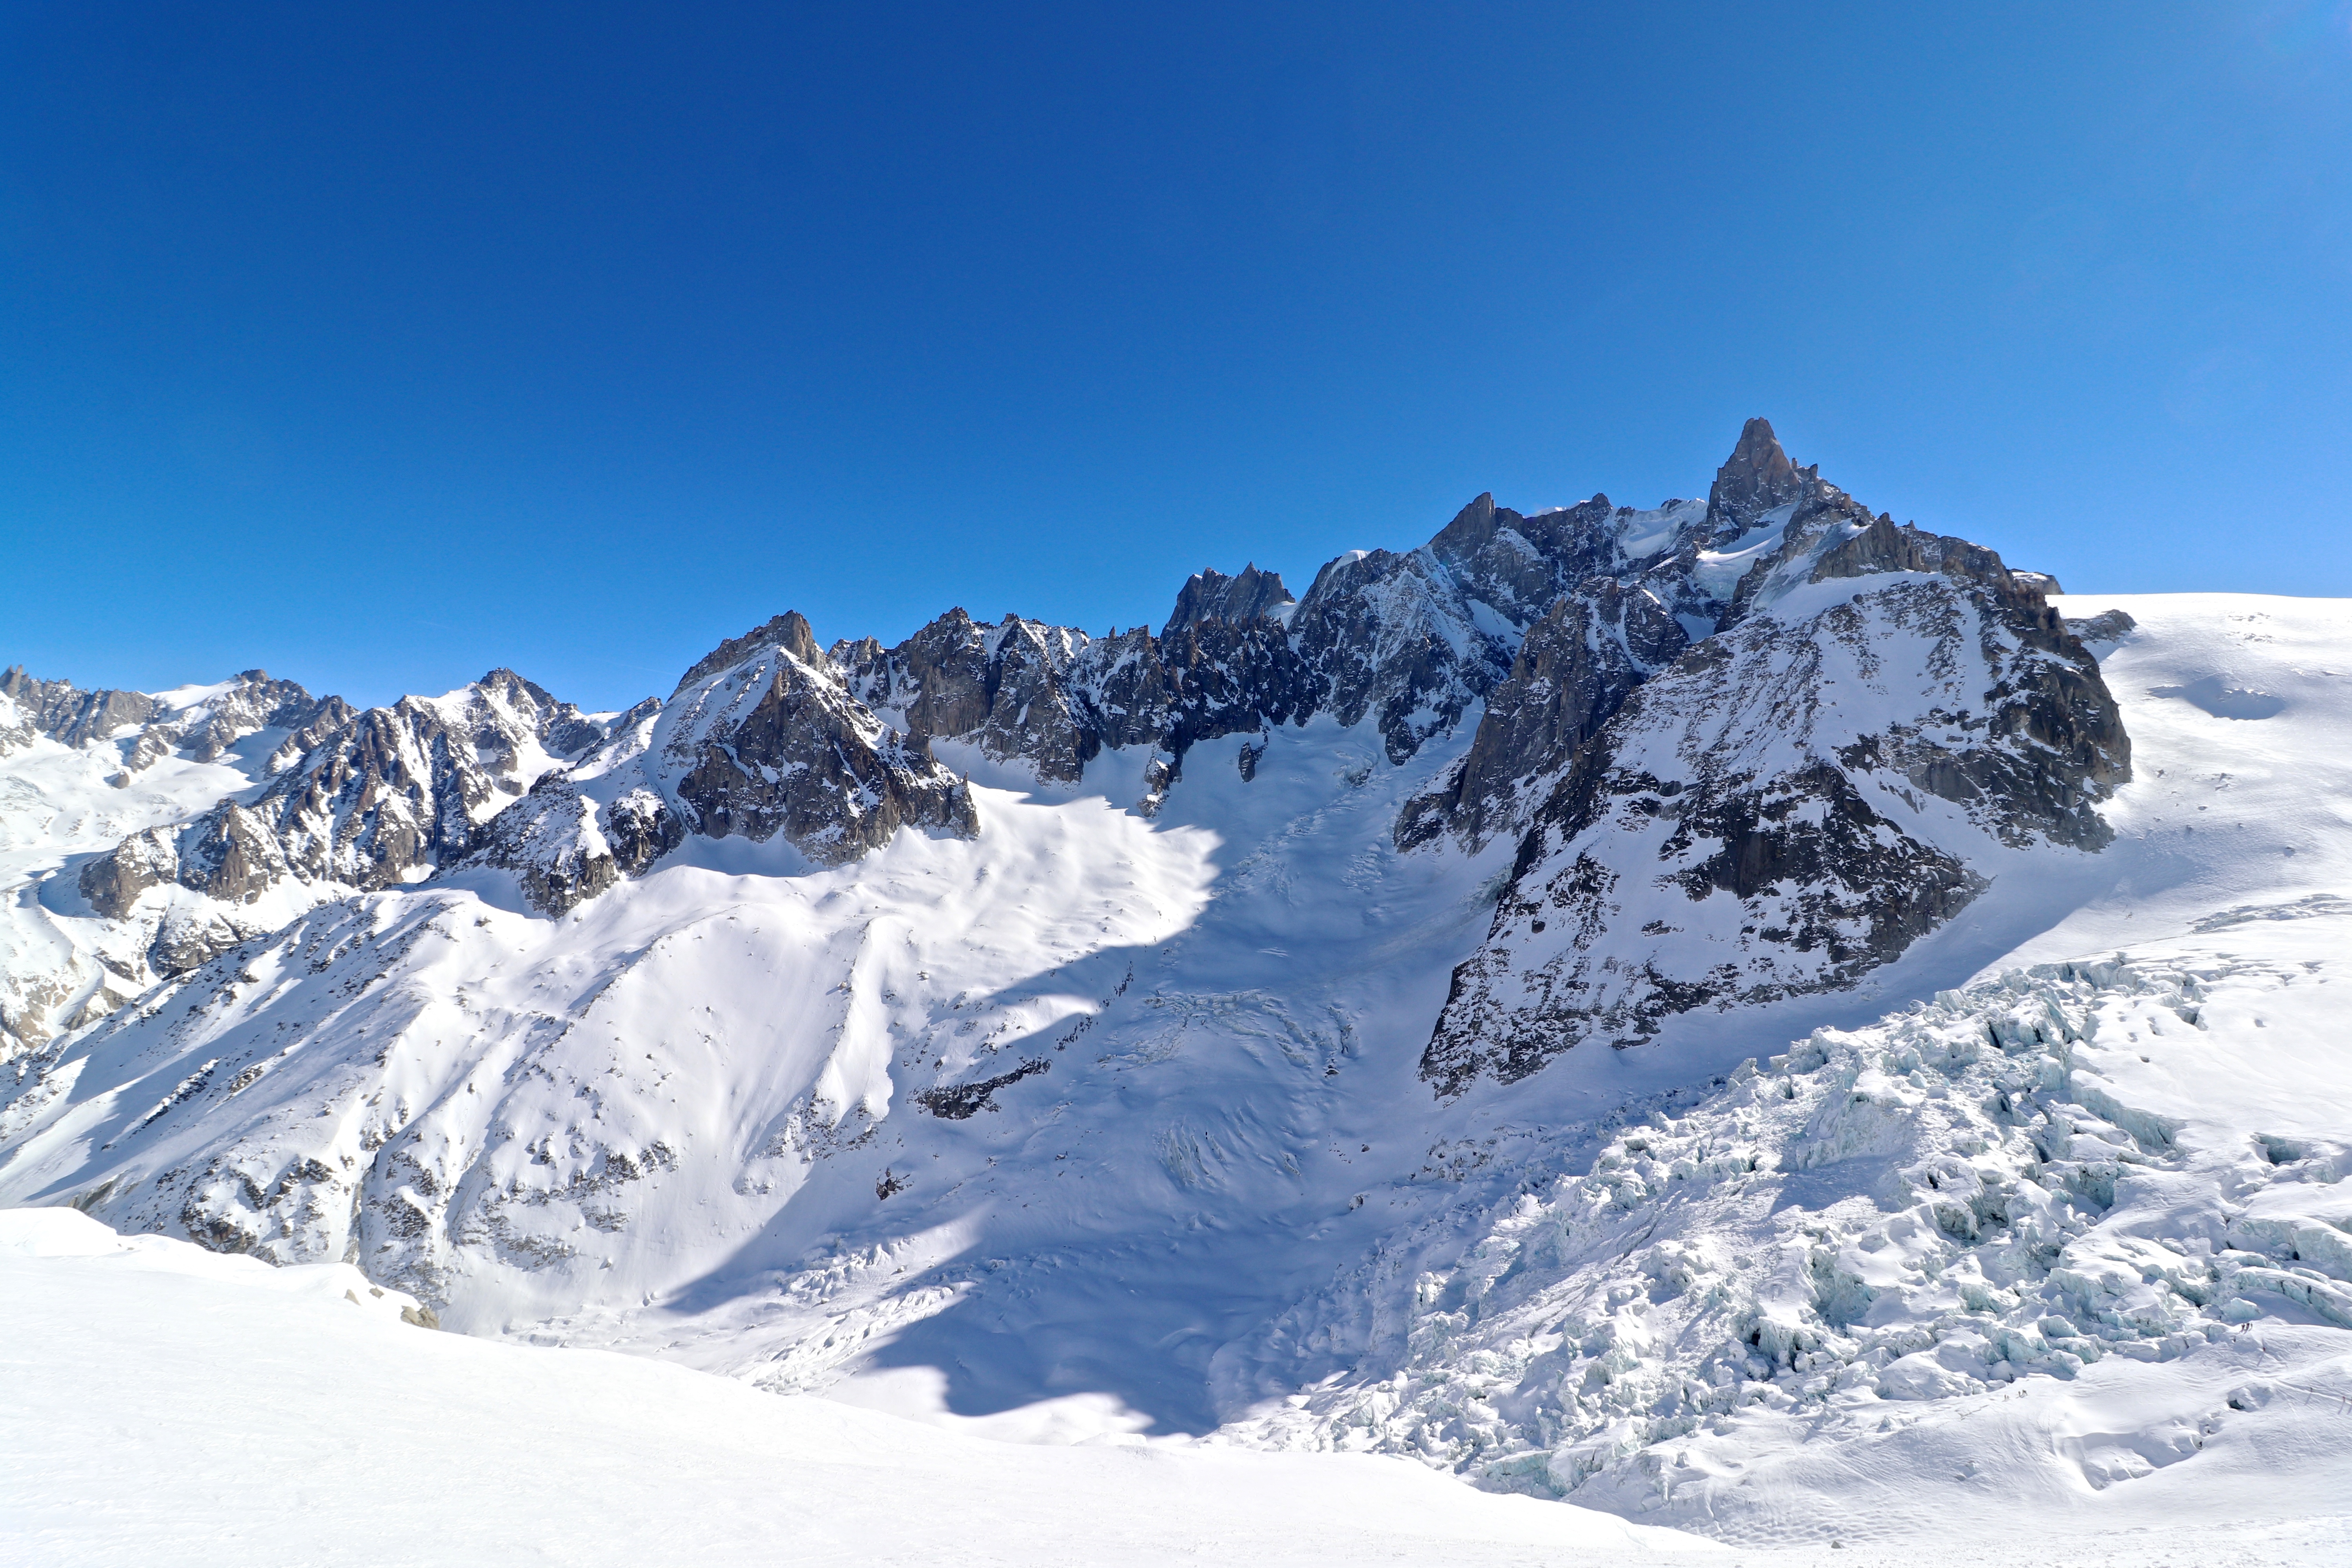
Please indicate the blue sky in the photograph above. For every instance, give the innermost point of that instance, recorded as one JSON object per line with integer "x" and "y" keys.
{"x": 384, "y": 346}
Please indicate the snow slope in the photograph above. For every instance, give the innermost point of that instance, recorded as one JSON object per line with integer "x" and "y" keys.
{"x": 692, "y": 1090}
{"x": 59, "y": 804}
{"x": 158, "y": 1393}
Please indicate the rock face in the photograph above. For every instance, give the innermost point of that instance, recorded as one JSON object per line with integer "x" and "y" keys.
{"x": 71, "y": 716}
{"x": 1755, "y": 480}
{"x": 776, "y": 745}
{"x": 1789, "y": 803}
{"x": 1051, "y": 697}
{"x": 2107, "y": 626}
{"x": 1573, "y": 672}
{"x": 1007, "y": 686}
{"x": 1210, "y": 596}
{"x": 582, "y": 829}
{"x": 1412, "y": 640}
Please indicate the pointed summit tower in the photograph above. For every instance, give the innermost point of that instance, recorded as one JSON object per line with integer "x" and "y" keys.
{"x": 1755, "y": 479}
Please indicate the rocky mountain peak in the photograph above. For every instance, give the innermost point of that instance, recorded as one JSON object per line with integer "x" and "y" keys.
{"x": 1786, "y": 804}
{"x": 202, "y": 721}
{"x": 356, "y": 799}
{"x": 1211, "y": 595}
{"x": 1472, "y": 527}
{"x": 796, "y": 637}
{"x": 1756, "y": 478}
{"x": 789, "y": 631}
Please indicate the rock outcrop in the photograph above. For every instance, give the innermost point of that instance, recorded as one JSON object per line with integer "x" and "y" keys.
{"x": 775, "y": 744}
{"x": 2106, "y": 626}
{"x": 1412, "y": 640}
{"x": 201, "y": 726}
{"x": 1789, "y": 804}
{"x": 763, "y": 739}
{"x": 1573, "y": 672}
{"x": 71, "y": 716}
{"x": 1755, "y": 480}
{"x": 1210, "y": 596}
{"x": 1051, "y": 697}
{"x": 1008, "y": 688}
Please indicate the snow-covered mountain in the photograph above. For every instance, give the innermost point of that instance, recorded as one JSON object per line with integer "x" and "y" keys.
{"x": 1325, "y": 1020}
{"x": 142, "y": 834}
{"x": 1884, "y": 721}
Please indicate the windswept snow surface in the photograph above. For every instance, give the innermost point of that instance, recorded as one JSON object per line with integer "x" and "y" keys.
{"x": 1096, "y": 1124}
{"x": 168, "y": 1405}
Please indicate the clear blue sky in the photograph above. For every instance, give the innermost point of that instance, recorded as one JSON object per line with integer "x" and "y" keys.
{"x": 380, "y": 345}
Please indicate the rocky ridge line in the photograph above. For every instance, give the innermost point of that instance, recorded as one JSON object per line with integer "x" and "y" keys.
{"x": 357, "y": 800}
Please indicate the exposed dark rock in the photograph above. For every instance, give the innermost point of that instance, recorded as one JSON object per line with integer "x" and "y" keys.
{"x": 1053, "y": 698}
{"x": 1755, "y": 479}
{"x": 2108, "y": 626}
{"x": 959, "y": 1101}
{"x": 639, "y": 828}
{"x": 188, "y": 938}
{"x": 365, "y": 799}
{"x": 791, "y": 627}
{"x": 1394, "y": 637}
{"x": 565, "y": 848}
{"x": 1573, "y": 672}
{"x": 72, "y": 716}
{"x": 234, "y": 855}
{"x": 776, "y": 745}
{"x": 1210, "y": 596}
{"x": 1411, "y": 640}
{"x": 113, "y": 882}
{"x": 1004, "y": 687}
{"x": 250, "y": 702}
{"x": 1218, "y": 677}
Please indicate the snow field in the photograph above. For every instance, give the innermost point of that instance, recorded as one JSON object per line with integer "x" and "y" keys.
{"x": 168, "y": 1403}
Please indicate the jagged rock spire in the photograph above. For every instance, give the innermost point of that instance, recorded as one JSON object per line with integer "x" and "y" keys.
{"x": 1755, "y": 479}
{"x": 1211, "y": 595}
{"x": 789, "y": 631}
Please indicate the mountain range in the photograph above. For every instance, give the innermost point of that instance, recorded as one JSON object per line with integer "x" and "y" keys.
{"x": 1660, "y": 1007}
